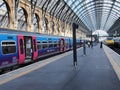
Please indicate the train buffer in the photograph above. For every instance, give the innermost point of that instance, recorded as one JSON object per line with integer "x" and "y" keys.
{"x": 98, "y": 70}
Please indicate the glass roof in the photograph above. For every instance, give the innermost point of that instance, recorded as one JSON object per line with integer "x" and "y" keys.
{"x": 96, "y": 14}
{"x": 61, "y": 10}
{"x": 89, "y": 14}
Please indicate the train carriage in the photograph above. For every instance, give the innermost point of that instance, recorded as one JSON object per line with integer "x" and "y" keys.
{"x": 19, "y": 47}
{"x": 109, "y": 41}
{"x": 47, "y": 45}
{"x": 66, "y": 43}
{"x": 117, "y": 42}
{"x": 8, "y": 50}
{"x": 78, "y": 43}
{"x": 70, "y": 43}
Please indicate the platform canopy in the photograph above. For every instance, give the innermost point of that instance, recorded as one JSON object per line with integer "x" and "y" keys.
{"x": 96, "y": 14}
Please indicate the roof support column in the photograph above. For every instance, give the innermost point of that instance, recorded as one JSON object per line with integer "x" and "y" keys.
{"x": 16, "y": 5}
{"x": 52, "y": 25}
{"x": 33, "y": 6}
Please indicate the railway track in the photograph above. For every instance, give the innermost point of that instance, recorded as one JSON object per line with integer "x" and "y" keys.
{"x": 117, "y": 50}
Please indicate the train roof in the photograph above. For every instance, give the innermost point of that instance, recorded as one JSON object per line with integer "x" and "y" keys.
{"x": 116, "y": 38}
{"x": 3, "y": 30}
{"x": 26, "y": 33}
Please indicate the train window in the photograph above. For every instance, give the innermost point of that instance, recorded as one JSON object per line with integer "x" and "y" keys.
{"x": 66, "y": 43}
{"x": 8, "y": 47}
{"x": 44, "y": 44}
{"x": 21, "y": 46}
{"x": 55, "y": 44}
{"x": 50, "y": 44}
{"x": 39, "y": 45}
{"x": 34, "y": 45}
{"x": 58, "y": 45}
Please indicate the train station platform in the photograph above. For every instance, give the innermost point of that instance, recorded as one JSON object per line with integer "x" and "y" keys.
{"x": 93, "y": 72}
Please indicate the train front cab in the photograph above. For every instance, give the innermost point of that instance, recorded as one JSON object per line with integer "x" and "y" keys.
{"x": 27, "y": 48}
{"x": 109, "y": 41}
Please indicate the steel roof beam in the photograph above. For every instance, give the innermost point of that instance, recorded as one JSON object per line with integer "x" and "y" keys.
{"x": 92, "y": 12}
{"x": 58, "y": 14}
{"x": 109, "y": 14}
{"x": 45, "y": 5}
{"x": 91, "y": 7}
{"x": 94, "y": 8}
{"x": 55, "y": 7}
{"x": 2, "y": 4}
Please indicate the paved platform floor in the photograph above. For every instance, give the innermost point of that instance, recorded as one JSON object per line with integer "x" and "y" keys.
{"x": 94, "y": 72}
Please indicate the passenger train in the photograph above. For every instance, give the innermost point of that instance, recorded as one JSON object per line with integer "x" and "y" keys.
{"x": 109, "y": 41}
{"x": 19, "y": 47}
{"x": 117, "y": 42}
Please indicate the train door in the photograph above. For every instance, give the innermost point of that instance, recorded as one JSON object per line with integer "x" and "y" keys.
{"x": 21, "y": 50}
{"x": 28, "y": 48}
{"x": 62, "y": 45}
{"x": 34, "y": 48}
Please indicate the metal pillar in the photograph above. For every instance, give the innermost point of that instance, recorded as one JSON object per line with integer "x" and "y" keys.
{"x": 91, "y": 39}
{"x": 75, "y": 26}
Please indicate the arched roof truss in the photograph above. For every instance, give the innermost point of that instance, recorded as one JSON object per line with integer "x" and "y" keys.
{"x": 96, "y": 14}
{"x": 60, "y": 9}
{"x": 4, "y": 14}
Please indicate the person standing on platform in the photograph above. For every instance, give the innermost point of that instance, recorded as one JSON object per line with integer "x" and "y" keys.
{"x": 84, "y": 48}
{"x": 101, "y": 44}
